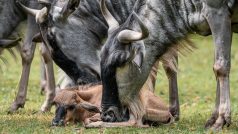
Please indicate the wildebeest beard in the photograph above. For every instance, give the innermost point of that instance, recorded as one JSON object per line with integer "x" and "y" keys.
{"x": 111, "y": 105}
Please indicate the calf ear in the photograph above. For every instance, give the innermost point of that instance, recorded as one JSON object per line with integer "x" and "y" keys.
{"x": 89, "y": 107}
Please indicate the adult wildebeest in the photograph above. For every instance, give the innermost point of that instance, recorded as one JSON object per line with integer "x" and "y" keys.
{"x": 79, "y": 38}
{"x": 126, "y": 59}
{"x": 11, "y": 17}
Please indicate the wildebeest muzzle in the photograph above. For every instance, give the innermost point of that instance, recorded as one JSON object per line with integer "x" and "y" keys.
{"x": 59, "y": 116}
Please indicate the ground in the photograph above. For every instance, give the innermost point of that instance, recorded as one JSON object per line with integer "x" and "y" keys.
{"x": 196, "y": 91}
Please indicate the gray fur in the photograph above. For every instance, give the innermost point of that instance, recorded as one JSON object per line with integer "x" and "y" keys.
{"x": 169, "y": 22}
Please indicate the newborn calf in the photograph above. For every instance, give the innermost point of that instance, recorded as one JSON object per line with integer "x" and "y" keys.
{"x": 82, "y": 104}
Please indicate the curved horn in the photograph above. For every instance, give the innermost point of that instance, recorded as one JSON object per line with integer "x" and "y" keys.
{"x": 44, "y": 1}
{"x": 111, "y": 21}
{"x": 28, "y": 10}
{"x": 127, "y": 36}
{"x": 39, "y": 14}
{"x": 5, "y": 43}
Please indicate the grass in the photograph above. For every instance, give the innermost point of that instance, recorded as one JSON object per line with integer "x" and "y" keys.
{"x": 196, "y": 91}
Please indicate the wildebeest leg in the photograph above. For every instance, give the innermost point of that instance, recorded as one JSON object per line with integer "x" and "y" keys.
{"x": 218, "y": 17}
{"x": 43, "y": 77}
{"x": 215, "y": 113}
{"x": 50, "y": 79}
{"x": 27, "y": 53}
{"x": 173, "y": 91}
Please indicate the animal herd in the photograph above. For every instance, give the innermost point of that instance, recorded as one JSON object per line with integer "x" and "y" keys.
{"x": 109, "y": 51}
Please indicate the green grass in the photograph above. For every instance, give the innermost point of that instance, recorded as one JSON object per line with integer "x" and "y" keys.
{"x": 196, "y": 91}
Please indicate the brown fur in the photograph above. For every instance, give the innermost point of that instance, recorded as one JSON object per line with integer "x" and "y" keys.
{"x": 153, "y": 108}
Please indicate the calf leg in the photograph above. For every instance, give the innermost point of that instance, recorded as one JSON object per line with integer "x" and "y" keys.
{"x": 131, "y": 123}
{"x": 27, "y": 53}
{"x": 219, "y": 20}
{"x": 159, "y": 116}
{"x": 50, "y": 79}
{"x": 173, "y": 91}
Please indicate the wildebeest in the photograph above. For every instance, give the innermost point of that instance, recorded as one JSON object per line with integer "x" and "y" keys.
{"x": 11, "y": 17}
{"x": 79, "y": 38}
{"x": 166, "y": 23}
{"x": 82, "y": 104}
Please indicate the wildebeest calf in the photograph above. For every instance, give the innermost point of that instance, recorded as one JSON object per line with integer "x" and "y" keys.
{"x": 82, "y": 104}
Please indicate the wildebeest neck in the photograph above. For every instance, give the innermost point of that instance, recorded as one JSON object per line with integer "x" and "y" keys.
{"x": 70, "y": 67}
{"x": 11, "y": 16}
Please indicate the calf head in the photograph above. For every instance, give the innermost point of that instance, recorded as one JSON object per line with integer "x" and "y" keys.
{"x": 69, "y": 106}
{"x": 121, "y": 57}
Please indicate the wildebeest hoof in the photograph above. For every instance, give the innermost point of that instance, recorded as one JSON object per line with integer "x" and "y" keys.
{"x": 112, "y": 114}
{"x": 175, "y": 113}
{"x": 57, "y": 123}
{"x": 217, "y": 123}
{"x": 15, "y": 106}
{"x": 45, "y": 107}
{"x": 210, "y": 122}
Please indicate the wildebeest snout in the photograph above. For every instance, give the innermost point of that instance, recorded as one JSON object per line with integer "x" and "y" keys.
{"x": 113, "y": 114}
{"x": 57, "y": 122}
{"x": 59, "y": 117}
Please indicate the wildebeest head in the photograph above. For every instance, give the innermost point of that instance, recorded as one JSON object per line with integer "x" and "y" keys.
{"x": 124, "y": 44}
{"x": 68, "y": 106}
{"x": 121, "y": 57}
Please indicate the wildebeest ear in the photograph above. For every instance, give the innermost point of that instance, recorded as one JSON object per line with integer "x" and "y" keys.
{"x": 139, "y": 51}
{"x": 89, "y": 107}
{"x": 7, "y": 43}
{"x": 138, "y": 60}
{"x": 70, "y": 5}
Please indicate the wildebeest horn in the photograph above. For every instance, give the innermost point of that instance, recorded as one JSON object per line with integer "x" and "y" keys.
{"x": 127, "y": 36}
{"x": 111, "y": 21}
{"x": 39, "y": 14}
{"x": 44, "y": 1}
{"x": 7, "y": 43}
